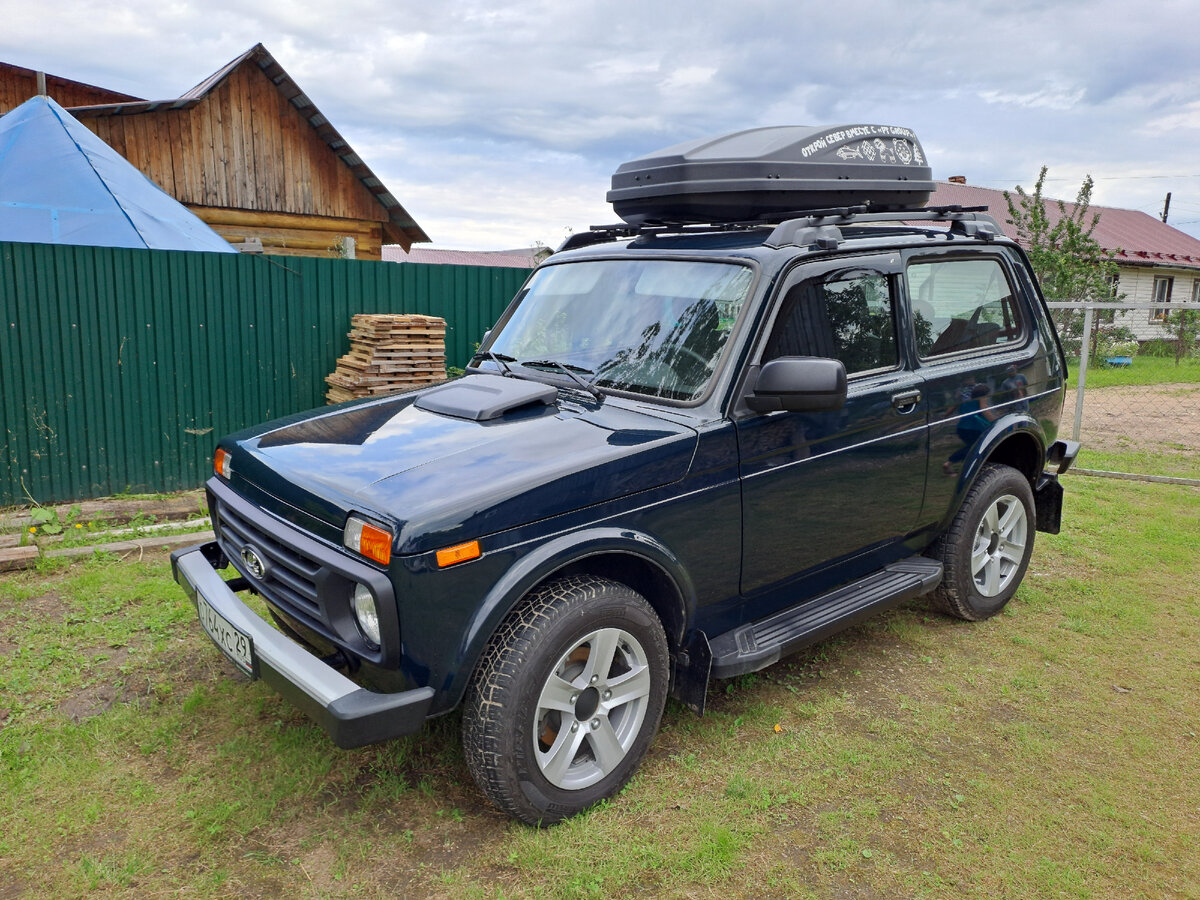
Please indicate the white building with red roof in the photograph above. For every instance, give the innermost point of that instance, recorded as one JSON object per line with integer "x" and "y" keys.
{"x": 1157, "y": 263}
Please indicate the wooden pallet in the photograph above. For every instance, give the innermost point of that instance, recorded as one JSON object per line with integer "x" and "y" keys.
{"x": 389, "y": 352}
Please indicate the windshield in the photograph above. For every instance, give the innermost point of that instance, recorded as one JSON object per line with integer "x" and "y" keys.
{"x": 653, "y": 327}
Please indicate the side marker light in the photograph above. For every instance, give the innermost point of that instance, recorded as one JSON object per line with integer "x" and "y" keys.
{"x": 458, "y": 553}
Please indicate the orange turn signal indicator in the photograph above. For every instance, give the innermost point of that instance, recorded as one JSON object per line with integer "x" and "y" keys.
{"x": 221, "y": 463}
{"x": 370, "y": 540}
{"x": 458, "y": 553}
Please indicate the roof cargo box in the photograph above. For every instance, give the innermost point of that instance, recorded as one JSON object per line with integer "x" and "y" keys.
{"x": 763, "y": 173}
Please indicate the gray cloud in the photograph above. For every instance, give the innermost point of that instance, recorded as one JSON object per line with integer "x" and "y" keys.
{"x": 499, "y": 124}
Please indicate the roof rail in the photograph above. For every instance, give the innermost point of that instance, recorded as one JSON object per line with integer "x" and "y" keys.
{"x": 820, "y": 228}
{"x": 815, "y": 227}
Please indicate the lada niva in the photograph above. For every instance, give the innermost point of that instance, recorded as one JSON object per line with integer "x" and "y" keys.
{"x": 781, "y": 396}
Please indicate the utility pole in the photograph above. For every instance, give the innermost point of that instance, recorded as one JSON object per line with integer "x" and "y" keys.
{"x": 1166, "y": 207}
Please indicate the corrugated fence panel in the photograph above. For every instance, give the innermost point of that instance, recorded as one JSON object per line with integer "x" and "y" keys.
{"x": 119, "y": 369}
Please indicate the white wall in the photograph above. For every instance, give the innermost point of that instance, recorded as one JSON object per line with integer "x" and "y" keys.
{"x": 1137, "y": 284}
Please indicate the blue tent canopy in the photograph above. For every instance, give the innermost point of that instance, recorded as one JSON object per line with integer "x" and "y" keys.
{"x": 61, "y": 184}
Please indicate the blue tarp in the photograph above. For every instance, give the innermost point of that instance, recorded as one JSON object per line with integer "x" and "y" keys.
{"x": 61, "y": 184}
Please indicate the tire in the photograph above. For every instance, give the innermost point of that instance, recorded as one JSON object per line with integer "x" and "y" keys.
{"x": 986, "y": 549}
{"x": 566, "y": 699}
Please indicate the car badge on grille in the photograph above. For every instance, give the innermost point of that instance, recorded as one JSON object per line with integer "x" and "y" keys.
{"x": 254, "y": 562}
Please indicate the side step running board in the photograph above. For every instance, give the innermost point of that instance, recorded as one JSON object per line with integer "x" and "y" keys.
{"x": 759, "y": 644}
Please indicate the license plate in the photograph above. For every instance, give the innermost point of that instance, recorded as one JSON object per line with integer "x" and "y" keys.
{"x": 233, "y": 643}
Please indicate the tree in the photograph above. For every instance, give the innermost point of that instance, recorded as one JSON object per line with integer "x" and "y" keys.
{"x": 1184, "y": 326}
{"x": 1068, "y": 260}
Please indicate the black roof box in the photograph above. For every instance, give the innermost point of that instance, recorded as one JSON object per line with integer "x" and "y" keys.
{"x": 763, "y": 173}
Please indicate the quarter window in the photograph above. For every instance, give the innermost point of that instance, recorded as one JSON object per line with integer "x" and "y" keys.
{"x": 843, "y": 315}
{"x": 962, "y": 304}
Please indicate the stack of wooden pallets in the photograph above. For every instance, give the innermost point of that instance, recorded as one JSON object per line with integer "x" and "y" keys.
{"x": 389, "y": 353}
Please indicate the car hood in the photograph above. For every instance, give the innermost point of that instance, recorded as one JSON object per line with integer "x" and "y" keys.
{"x": 439, "y": 479}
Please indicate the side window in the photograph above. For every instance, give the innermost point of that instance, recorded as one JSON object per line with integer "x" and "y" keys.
{"x": 842, "y": 315}
{"x": 962, "y": 304}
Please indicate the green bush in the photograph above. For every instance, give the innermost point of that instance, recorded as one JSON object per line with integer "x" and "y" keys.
{"x": 1159, "y": 347}
{"x": 1111, "y": 345}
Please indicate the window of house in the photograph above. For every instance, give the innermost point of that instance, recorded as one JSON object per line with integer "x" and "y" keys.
{"x": 844, "y": 315}
{"x": 1196, "y": 291}
{"x": 962, "y": 304}
{"x": 1114, "y": 285}
{"x": 1162, "y": 294}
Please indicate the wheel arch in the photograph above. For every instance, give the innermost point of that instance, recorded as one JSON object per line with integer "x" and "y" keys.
{"x": 1015, "y": 440}
{"x": 632, "y": 558}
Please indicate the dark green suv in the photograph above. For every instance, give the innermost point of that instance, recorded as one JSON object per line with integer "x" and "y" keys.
{"x": 687, "y": 448}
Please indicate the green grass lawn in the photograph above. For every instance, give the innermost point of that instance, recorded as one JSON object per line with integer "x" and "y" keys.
{"x": 1167, "y": 462}
{"x": 1049, "y": 752}
{"x": 1144, "y": 370}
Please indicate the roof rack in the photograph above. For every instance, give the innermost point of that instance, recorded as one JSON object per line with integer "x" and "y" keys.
{"x": 815, "y": 228}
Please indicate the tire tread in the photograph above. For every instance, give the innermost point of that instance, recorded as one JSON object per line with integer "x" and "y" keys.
{"x": 493, "y": 689}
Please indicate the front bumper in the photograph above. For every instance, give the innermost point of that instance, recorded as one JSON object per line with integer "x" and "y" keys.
{"x": 351, "y": 715}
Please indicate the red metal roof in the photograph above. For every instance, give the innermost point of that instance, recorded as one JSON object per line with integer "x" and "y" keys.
{"x": 1139, "y": 239}
{"x": 513, "y": 259}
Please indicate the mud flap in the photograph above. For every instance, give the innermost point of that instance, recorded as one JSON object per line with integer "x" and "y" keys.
{"x": 1047, "y": 504}
{"x": 689, "y": 672}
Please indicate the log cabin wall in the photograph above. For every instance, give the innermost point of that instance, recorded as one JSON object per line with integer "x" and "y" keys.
{"x": 245, "y": 160}
{"x": 18, "y": 84}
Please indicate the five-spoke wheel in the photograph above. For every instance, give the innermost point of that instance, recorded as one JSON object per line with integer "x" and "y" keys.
{"x": 591, "y": 708}
{"x": 1000, "y": 542}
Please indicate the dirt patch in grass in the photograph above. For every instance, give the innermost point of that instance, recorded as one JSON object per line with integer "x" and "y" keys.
{"x": 49, "y": 606}
{"x": 1138, "y": 417}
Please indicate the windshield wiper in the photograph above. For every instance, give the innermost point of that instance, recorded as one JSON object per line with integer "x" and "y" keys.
{"x": 499, "y": 359}
{"x": 569, "y": 370}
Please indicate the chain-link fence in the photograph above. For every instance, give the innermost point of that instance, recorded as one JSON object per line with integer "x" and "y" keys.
{"x": 1134, "y": 397}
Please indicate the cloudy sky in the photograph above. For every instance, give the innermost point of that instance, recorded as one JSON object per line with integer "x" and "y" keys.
{"x": 499, "y": 124}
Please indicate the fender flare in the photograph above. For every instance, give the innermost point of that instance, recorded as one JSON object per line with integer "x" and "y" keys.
{"x": 542, "y": 562}
{"x": 1001, "y": 430}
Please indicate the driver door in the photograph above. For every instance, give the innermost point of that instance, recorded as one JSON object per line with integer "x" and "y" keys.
{"x": 830, "y": 496}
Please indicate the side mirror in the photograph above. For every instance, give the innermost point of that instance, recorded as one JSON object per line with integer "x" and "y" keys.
{"x": 799, "y": 384}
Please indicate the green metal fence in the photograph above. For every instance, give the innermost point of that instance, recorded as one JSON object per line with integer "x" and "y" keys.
{"x": 120, "y": 368}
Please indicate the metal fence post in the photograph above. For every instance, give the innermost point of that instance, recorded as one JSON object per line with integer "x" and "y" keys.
{"x": 1084, "y": 351}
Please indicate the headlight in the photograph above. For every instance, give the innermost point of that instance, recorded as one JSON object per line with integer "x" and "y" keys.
{"x": 366, "y": 614}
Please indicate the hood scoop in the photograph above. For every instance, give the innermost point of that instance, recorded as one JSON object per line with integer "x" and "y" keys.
{"x": 484, "y": 397}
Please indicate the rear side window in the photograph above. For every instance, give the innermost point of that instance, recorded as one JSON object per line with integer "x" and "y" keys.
{"x": 843, "y": 315}
{"x": 962, "y": 304}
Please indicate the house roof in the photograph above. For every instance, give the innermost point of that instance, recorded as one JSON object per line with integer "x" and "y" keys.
{"x": 1135, "y": 237}
{"x": 399, "y": 221}
{"x": 22, "y": 84}
{"x": 513, "y": 259}
{"x": 61, "y": 184}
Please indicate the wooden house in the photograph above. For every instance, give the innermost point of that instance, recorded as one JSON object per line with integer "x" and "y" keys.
{"x": 249, "y": 153}
{"x": 18, "y": 84}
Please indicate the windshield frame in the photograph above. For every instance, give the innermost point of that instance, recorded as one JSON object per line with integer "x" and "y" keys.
{"x": 720, "y": 365}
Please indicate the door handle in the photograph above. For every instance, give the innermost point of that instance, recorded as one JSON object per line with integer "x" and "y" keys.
{"x": 907, "y": 401}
